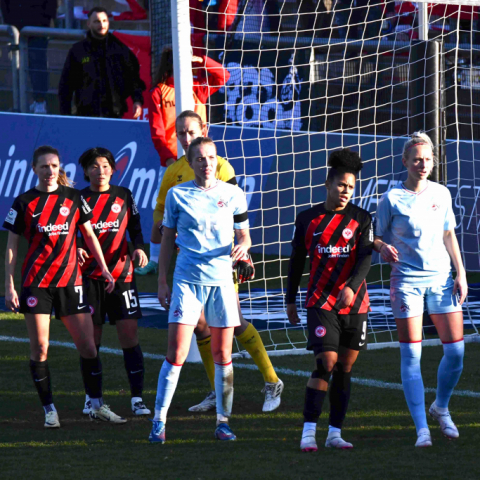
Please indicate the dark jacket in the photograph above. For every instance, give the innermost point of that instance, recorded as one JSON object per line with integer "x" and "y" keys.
{"x": 28, "y": 13}
{"x": 102, "y": 74}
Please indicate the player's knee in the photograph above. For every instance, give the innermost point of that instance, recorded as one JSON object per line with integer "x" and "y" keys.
{"x": 343, "y": 367}
{"x": 39, "y": 351}
{"x": 221, "y": 355}
{"x": 202, "y": 331}
{"x": 321, "y": 372}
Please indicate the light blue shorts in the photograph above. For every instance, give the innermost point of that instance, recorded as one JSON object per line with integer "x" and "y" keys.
{"x": 408, "y": 301}
{"x": 218, "y": 302}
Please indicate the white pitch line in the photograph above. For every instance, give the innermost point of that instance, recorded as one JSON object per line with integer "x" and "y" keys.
{"x": 246, "y": 366}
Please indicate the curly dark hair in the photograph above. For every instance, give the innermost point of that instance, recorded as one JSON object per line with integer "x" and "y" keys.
{"x": 344, "y": 161}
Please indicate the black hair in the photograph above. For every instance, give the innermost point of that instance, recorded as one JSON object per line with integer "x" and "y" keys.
{"x": 96, "y": 10}
{"x": 45, "y": 150}
{"x": 197, "y": 142}
{"x": 165, "y": 67}
{"x": 344, "y": 161}
{"x": 90, "y": 155}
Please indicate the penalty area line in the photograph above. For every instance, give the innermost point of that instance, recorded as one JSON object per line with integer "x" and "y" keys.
{"x": 246, "y": 366}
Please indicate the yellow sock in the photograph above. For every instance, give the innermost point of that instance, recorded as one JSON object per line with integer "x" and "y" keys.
{"x": 205, "y": 349}
{"x": 253, "y": 344}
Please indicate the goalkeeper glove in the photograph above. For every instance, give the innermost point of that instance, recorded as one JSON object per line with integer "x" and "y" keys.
{"x": 245, "y": 269}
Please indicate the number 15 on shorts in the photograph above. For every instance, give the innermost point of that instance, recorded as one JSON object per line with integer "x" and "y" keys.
{"x": 130, "y": 299}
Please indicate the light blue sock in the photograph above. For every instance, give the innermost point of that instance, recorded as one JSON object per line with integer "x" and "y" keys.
{"x": 167, "y": 383}
{"x": 412, "y": 382}
{"x": 449, "y": 372}
{"x": 154, "y": 251}
{"x": 224, "y": 390}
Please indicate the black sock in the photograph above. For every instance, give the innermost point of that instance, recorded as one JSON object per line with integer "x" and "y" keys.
{"x": 41, "y": 378}
{"x": 98, "y": 348}
{"x": 133, "y": 359}
{"x": 339, "y": 396}
{"x": 313, "y": 404}
{"x": 92, "y": 376}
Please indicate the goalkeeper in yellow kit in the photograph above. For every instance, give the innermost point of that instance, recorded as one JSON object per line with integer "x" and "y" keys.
{"x": 189, "y": 126}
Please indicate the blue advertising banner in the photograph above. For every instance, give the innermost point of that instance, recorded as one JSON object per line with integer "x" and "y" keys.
{"x": 280, "y": 171}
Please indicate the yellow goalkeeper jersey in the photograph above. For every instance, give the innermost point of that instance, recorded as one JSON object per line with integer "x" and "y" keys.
{"x": 180, "y": 172}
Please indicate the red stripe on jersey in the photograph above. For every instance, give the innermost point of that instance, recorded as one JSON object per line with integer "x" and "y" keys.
{"x": 311, "y": 230}
{"x": 116, "y": 243}
{"x": 31, "y": 207}
{"x": 116, "y": 272}
{"x": 98, "y": 208}
{"x": 345, "y": 273}
{"x": 330, "y": 265}
{"x": 325, "y": 238}
{"x": 72, "y": 264}
{"x": 57, "y": 262}
{"x": 47, "y": 211}
{"x": 365, "y": 306}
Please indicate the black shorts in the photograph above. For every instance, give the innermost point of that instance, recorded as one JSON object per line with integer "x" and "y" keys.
{"x": 65, "y": 300}
{"x": 327, "y": 331}
{"x": 121, "y": 304}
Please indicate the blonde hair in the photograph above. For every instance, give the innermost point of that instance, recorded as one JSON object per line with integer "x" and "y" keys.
{"x": 63, "y": 179}
{"x": 418, "y": 138}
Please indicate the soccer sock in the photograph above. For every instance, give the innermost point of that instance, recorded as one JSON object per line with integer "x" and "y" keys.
{"x": 167, "y": 383}
{"x": 308, "y": 428}
{"x": 449, "y": 372}
{"x": 92, "y": 378}
{"x": 253, "y": 344}
{"x": 339, "y": 396}
{"x": 313, "y": 404}
{"x": 224, "y": 390}
{"x": 412, "y": 382}
{"x": 205, "y": 349}
{"x": 133, "y": 360}
{"x": 41, "y": 378}
{"x": 154, "y": 251}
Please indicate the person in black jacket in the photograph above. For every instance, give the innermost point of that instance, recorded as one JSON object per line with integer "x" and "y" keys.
{"x": 102, "y": 72}
{"x": 33, "y": 13}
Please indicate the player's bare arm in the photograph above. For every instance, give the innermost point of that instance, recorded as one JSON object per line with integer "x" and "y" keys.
{"x": 388, "y": 252}
{"x": 11, "y": 297}
{"x": 168, "y": 245}
{"x": 244, "y": 242}
{"x": 460, "y": 284}
{"x": 94, "y": 246}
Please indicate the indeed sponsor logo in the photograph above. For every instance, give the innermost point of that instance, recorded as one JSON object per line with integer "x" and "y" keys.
{"x": 105, "y": 225}
{"x": 333, "y": 250}
{"x": 53, "y": 228}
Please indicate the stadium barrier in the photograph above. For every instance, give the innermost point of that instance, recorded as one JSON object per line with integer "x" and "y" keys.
{"x": 262, "y": 164}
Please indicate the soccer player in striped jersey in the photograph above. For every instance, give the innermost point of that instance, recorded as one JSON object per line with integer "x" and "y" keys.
{"x": 417, "y": 221}
{"x": 338, "y": 238}
{"x": 114, "y": 213}
{"x": 189, "y": 126}
{"x": 204, "y": 212}
{"x": 49, "y": 216}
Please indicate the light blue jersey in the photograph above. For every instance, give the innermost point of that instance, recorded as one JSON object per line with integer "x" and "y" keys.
{"x": 414, "y": 224}
{"x": 204, "y": 219}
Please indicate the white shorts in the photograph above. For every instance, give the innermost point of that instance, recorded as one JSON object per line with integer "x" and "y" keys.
{"x": 218, "y": 302}
{"x": 408, "y": 301}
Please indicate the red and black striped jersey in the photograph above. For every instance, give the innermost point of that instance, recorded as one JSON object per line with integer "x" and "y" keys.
{"x": 49, "y": 221}
{"x": 114, "y": 213}
{"x": 339, "y": 244}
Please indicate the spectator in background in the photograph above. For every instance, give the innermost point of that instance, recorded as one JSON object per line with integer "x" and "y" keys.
{"x": 101, "y": 72}
{"x": 33, "y": 13}
{"x": 208, "y": 77}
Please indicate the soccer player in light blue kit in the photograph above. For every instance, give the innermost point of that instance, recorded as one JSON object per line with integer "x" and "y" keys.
{"x": 204, "y": 212}
{"x": 416, "y": 217}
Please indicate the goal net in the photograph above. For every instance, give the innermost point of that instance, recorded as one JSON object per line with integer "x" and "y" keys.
{"x": 306, "y": 77}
